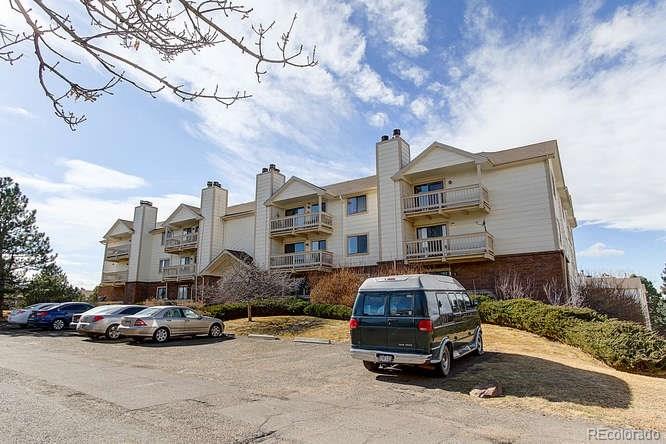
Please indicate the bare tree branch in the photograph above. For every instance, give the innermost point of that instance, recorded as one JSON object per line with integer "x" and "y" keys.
{"x": 168, "y": 27}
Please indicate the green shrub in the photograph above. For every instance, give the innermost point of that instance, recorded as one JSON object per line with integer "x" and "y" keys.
{"x": 265, "y": 307}
{"x": 328, "y": 311}
{"x": 623, "y": 345}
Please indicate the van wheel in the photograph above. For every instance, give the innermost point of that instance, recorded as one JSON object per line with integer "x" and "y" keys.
{"x": 444, "y": 367}
{"x": 479, "y": 343}
{"x": 371, "y": 366}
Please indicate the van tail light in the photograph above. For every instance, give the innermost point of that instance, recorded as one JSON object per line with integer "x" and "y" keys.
{"x": 140, "y": 323}
{"x": 353, "y": 324}
{"x": 41, "y": 314}
{"x": 97, "y": 318}
{"x": 425, "y": 325}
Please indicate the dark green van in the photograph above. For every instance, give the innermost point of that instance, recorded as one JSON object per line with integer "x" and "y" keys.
{"x": 425, "y": 320}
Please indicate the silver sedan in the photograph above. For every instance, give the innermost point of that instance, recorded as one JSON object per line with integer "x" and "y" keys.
{"x": 104, "y": 320}
{"x": 161, "y": 323}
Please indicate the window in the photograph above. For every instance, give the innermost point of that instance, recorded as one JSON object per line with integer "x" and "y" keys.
{"x": 190, "y": 314}
{"x": 467, "y": 303}
{"x": 186, "y": 260}
{"x": 315, "y": 207}
{"x": 183, "y": 292}
{"x": 161, "y": 293}
{"x": 374, "y": 305}
{"x": 430, "y": 232}
{"x": 294, "y": 211}
{"x": 131, "y": 310}
{"x": 455, "y": 307}
{"x": 357, "y": 204}
{"x": 297, "y": 247}
{"x": 163, "y": 264}
{"x": 432, "y": 186}
{"x": 173, "y": 313}
{"x": 401, "y": 305}
{"x": 318, "y": 245}
{"x": 357, "y": 244}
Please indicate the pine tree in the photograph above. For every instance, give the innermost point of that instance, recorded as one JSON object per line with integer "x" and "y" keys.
{"x": 50, "y": 285}
{"x": 663, "y": 282}
{"x": 23, "y": 248}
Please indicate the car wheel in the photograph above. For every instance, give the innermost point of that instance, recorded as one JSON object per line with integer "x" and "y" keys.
{"x": 161, "y": 335}
{"x": 215, "y": 331}
{"x": 58, "y": 325}
{"x": 444, "y": 366}
{"x": 479, "y": 343}
{"x": 112, "y": 332}
{"x": 372, "y": 366}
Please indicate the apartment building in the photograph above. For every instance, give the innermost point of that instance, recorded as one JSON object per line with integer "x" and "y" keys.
{"x": 473, "y": 215}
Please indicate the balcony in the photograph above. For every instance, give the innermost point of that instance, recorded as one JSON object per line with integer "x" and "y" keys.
{"x": 467, "y": 198}
{"x": 118, "y": 253}
{"x": 114, "y": 277}
{"x": 460, "y": 248}
{"x": 320, "y": 222}
{"x": 309, "y": 260}
{"x": 184, "y": 272}
{"x": 183, "y": 242}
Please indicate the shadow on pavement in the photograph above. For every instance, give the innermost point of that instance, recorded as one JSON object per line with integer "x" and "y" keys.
{"x": 182, "y": 342}
{"x": 7, "y": 329}
{"x": 521, "y": 376}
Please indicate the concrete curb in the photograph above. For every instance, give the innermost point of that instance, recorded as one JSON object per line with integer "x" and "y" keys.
{"x": 313, "y": 340}
{"x": 271, "y": 337}
{"x": 229, "y": 335}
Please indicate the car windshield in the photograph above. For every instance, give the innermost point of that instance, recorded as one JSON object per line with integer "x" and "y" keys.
{"x": 152, "y": 311}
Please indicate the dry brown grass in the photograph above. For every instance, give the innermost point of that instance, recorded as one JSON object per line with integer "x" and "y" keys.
{"x": 537, "y": 374}
{"x": 292, "y": 326}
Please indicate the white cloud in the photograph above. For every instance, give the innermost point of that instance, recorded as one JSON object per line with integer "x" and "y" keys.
{"x": 596, "y": 85}
{"x": 413, "y": 73}
{"x": 600, "y": 249}
{"x": 403, "y": 23}
{"x": 378, "y": 120}
{"x": 370, "y": 87}
{"x": 86, "y": 175}
{"x": 16, "y": 111}
{"x": 421, "y": 107}
{"x": 78, "y": 176}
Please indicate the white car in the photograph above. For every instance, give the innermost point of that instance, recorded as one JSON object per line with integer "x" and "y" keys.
{"x": 20, "y": 315}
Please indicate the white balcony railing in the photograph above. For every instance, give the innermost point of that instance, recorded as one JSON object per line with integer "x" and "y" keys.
{"x": 114, "y": 277}
{"x": 184, "y": 241}
{"x": 176, "y": 272}
{"x": 451, "y": 198}
{"x": 302, "y": 222}
{"x": 449, "y": 247}
{"x": 118, "y": 252}
{"x": 303, "y": 260}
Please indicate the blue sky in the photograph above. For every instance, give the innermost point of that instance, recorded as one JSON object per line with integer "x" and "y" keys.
{"x": 477, "y": 75}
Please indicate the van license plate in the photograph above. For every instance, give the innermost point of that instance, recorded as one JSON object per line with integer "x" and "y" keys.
{"x": 385, "y": 359}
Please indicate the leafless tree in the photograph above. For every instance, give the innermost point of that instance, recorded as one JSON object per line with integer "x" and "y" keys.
{"x": 168, "y": 27}
{"x": 511, "y": 285}
{"x": 606, "y": 294}
{"x": 555, "y": 294}
{"x": 248, "y": 283}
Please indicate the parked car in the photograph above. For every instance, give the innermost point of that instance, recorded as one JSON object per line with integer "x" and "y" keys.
{"x": 414, "y": 320}
{"x": 20, "y": 315}
{"x": 59, "y": 316}
{"x": 104, "y": 320}
{"x": 161, "y": 323}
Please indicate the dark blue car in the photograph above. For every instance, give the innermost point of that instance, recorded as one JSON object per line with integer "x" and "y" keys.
{"x": 57, "y": 317}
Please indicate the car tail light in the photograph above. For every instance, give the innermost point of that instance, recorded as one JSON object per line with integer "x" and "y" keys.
{"x": 425, "y": 325}
{"x": 140, "y": 323}
{"x": 97, "y": 318}
{"x": 353, "y": 323}
{"x": 41, "y": 314}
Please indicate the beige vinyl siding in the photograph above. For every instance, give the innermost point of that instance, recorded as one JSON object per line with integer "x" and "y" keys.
{"x": 520, "y": 218}
{"x": 389, "y": 160}
{"x": 294, "y": 189}
{"x": 438, "y": 158}
{"x": 266, "y": 185}
{"x": 362, "y": 223}
{"x": 239, "y": 234}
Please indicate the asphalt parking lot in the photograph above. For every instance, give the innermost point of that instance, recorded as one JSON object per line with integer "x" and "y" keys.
{"x": 59, "y": 386}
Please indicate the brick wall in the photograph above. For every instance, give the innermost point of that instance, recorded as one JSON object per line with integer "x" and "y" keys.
{"x": 109, "y": 293}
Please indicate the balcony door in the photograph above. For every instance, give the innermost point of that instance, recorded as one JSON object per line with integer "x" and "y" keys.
{"x": 432, "y": 243}
{"x": 299, "y": 216}
{"x": 298, "y": 251}
{"x": 314, "y": 208}
{"x": 429, "y": 200}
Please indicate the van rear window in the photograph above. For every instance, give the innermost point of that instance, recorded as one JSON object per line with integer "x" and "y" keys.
{"x": 399, "y": 303}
